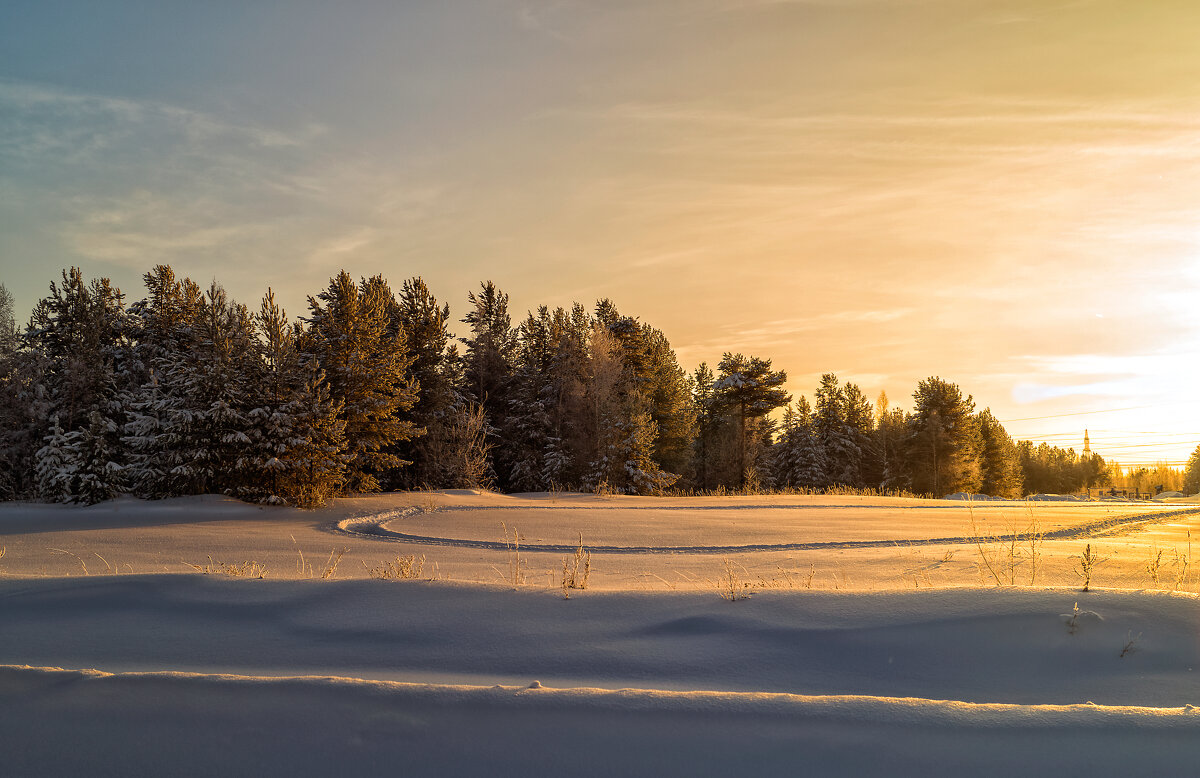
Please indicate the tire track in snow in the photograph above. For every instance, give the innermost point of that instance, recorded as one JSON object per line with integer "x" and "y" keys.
{"x": 373, "y": 527}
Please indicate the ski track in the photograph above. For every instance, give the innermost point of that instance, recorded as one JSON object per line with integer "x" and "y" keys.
{"x": 373, "y": 526}
{"x": 846, "y": 707}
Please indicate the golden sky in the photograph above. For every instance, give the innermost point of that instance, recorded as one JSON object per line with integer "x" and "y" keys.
{"x": 1003, "y": 194}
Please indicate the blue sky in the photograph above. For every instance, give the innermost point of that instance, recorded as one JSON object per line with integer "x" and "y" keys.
{"x": 1004, "y": 194}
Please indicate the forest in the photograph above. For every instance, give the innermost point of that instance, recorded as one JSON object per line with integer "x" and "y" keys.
{"x": 186, "y": 391}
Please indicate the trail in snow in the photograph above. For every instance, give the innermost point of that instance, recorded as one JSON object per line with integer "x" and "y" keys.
{"x": 377, "y": 527}
{"x": 843, "y": 707}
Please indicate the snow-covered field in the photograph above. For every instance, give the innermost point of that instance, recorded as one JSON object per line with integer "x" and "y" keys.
{"x": 874, "y": 638}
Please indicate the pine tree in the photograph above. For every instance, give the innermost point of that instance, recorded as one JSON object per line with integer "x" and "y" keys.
{"x": 748, "y": 387}
{"x": 1191, "y": 473}
{"x": 999, "y": 461}
{"x": 488, "y": 360}
{"x": 365, "y": 359}
{"x": 425, "y": 323}
{"x": 891, "y": 431}
{"x": 568, "y": 445}
{"x": 860, "y": 428}
{"x": 943, "y": 440}
{"x": 606, "y": 468}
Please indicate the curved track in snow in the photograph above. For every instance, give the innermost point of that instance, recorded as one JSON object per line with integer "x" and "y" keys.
{"x": 376, "y": 527}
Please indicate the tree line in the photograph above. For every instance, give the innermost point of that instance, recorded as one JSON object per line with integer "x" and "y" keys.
{"x": 188, "y": 392}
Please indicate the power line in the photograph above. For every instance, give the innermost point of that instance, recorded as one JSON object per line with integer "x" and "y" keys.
{"x": 1081, "y": 413}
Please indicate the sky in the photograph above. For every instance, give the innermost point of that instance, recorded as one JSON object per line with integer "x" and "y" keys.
{"x": 1002, "y": 194}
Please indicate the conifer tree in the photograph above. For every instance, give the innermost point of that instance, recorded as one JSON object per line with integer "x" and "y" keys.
{"x": 1191, "y": 473}
{"x": 999, "y": 462}
{"x": 839, "y": 449}
{"x": 365, "y": 359}
{"x": 891, "y": 431}
{"x": 80, "y": 333}
{"x": 208, "y": 396}
{"x": 798, "y": 457}
{"x": 425, "y": 324}
{"x": 943, "y": 440}
{"x": 54, "y": 466}
{"x": 707, "y": 418}
{"x": 568, "y": 441}
{"x": 95, "y": 476}
{"x": 164, "y": 327}
{"x": 488, "y": 360}
{"x": 527, "y": 432}
{"x": 316, "y": 457}
{"x": 860, "y": 428}
{"x": 748, "y": 387}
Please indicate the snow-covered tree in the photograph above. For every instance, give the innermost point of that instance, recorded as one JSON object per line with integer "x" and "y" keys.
{"x": 95, "y": 475}
{"x": 797, "y": 458}
{"x": 54, "y": 466}
{"x": 750, "y": 389}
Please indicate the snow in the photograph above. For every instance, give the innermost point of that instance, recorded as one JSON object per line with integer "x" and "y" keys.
{"x": 648, "y": 671}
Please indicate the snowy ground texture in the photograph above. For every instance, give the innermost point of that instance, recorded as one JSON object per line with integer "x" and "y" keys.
{"x": 874, "y": 639}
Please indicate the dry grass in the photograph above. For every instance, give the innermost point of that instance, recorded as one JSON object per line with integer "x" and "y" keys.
{"x": 401, "y": 568}
{"x": 575, "y": 571}
{"x": 1130, "y": 643}
{"x": 1001, "y": 555}
{"x": 248, "y": 569}
{"x": 516, "y": 566}
{"x": 68, "y": 553}
{"x": 730, "y": 585}
{"x": 304, "y": 568}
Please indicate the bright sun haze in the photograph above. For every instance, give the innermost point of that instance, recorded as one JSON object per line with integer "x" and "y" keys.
{"x": 1005, "y": 195}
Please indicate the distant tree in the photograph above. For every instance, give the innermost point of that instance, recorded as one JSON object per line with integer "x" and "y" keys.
{"x": 1052, "y": 470}
{"x": 943, "y": 440}
{"x": 750, "y": 389}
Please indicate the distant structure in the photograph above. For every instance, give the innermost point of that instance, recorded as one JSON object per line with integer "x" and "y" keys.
{"x": 1087, "y": 447}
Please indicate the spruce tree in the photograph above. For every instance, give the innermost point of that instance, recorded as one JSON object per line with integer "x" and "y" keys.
{"x": 365, "y": 359}
{"x": 95, "y": 476}
{"x": 488, "y": 360}
{"x": 54, "y": 466}
{"x": 839, "y": 447}
{"x": 999, "y": 462}
{"x": 943, "y": 440}
{"x": 425, "y": 324}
